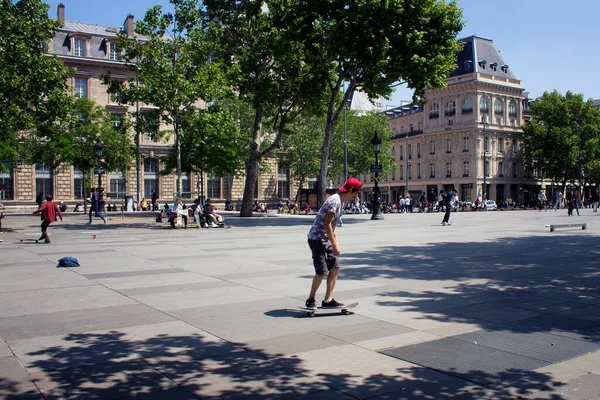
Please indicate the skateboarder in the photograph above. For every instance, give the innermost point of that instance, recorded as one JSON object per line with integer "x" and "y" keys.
{"x": 448, "y": 200}
{"x": 323, "y": 243}
{"x": 49, "y": 212}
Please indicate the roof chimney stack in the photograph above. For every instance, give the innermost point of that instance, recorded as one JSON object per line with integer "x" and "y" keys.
{"x": 61, "y": 13}
{"x": 128, "y": 25}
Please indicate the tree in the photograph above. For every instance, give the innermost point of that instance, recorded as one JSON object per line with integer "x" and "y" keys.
{"x": 268, "y": 72}
{"x": 174, "y": 63}
{"x": 33, "y": 85}
{"x": 212, "y": 144}
{"x": 370, "y": 45}
{"x": 301, "y": 150}
{"x": 561, "y": 139}
{"x": 70, "y": 141}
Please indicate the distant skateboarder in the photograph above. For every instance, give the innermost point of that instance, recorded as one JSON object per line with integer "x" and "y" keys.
{"x": 323, "y": 243}
{"x": 448, "y": 200}
{"x": 49, "y": 211}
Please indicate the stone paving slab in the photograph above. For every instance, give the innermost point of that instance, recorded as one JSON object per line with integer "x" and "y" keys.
{"x": 214, "y": 312}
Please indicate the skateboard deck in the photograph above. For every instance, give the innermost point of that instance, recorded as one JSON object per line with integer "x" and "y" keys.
{"x": 345, "y": 310}
{"x": 28, "y": 240}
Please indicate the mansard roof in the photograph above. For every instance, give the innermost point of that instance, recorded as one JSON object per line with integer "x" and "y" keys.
{"x": 480, "y": 55}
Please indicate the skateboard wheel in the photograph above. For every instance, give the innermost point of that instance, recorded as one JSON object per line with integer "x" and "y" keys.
{"x": 310, "y": 314}
{"x": 345, "y": 312}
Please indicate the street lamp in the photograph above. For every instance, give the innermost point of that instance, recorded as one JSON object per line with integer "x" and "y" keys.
{"x": 484, "y": 122}
{"x": 98, "y": 152}
{"x": 407, "y": 162}
{"x": 376, "y": 142}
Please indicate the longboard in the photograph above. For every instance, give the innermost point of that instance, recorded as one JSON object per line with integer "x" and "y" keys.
{"x": 344, "y": 309}
{"x": 28, "y": 240}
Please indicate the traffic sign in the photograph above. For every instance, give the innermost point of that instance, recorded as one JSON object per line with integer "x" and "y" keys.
{"x": 376, "y": 168}
{"x": 98, "y": 171}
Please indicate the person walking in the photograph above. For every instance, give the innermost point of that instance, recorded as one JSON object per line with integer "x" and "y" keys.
{"x": 324, "y": 245}
{"x": 431, "y": 200}
{"x": 49, "y": 211}
{"x": 95, "y": 206}
{"x": 154, "y": 199}
{"x": 558, "y": 201}
{"x": 448, "y": 200}
{"x": 594, "y": 198}
{"x": 569, "y": 198}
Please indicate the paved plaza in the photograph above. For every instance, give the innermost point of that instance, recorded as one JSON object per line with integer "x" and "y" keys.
{"x": 494, "y": 306}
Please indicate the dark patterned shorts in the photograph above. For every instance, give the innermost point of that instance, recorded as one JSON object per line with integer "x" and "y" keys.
{"x": 322, "y": 255}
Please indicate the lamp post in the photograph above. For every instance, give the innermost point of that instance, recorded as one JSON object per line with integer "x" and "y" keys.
{"x": 407, "y": 163}
{"x": 484, "y": 122}
{"x": 376, "y": 142}
{"x": 98, "y": 152}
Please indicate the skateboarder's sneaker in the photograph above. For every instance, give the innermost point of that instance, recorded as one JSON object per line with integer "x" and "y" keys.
{"x": 332, "y": 304}
{"x": 311, "y": 304}
{"x": 46, "y": 241}
{"x": 443, "y": 224}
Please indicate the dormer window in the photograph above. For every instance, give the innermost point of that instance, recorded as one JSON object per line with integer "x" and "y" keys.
{"x": 79, "y": 44}
{"x": 79, "y": 47}
{"x": 494, "y": 65}
{"x": 504, "y": 68}
{"x": 482, "y": 63}
{"x": 113, "y": 54}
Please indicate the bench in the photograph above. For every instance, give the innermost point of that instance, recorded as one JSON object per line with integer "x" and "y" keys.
{"x": 554, "y": 226}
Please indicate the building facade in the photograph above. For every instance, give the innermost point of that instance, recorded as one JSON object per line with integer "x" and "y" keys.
{"x": 90, "y": 51}
{"x": 466, "y": 133}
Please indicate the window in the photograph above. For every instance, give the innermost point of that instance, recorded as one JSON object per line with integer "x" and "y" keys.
{"x": 116, "y": 121}
{"x": 79, "y": 47}
{"x": 500, "y": 172}
{"x": 213, "y": 187}
{"x": 450, "y": 122}
{"x": 418, "y": 170}
{"x": 434, "y": 111}
{"x": 81, "y": 88}
{"x": 6, "y": 183}
{"x": 401, "y": 153}
{"x": 514, "y": 146}
{"x": 487, "y": 168}
{"x": 418, "y": 150}
{"x": 401, "y": 172}
{"x": 449, "y": 145}
{"x": 448, "y": 170}
{"x": 79, "y": 191}
{"x": 431, "y": 171}
{"x": 150, "y": 177}
{"x": 467, "y": 106}
{"x": 410, "y": 151}
{"x": 498, "y": 107}
{"x": 512, "y": 109}
{"x": 513, "y": 122}
{"x": 409, "y": 171}
{"x": 483, "y": 105}
{"x": 514, "y": 169}
{"x": 450, "y": 108}
{"x": 113, "y": 54}
{"x": 466, "y": 169}
{"x": 432, "y": 147}
{"x": 486, "y": 144}
{"x": 283, "y": 182}
{"x": 116, "y": 185}
{"x": 43, "y": 179}
{"x": 500, "y": 145}
{"x": 466, "y": 143}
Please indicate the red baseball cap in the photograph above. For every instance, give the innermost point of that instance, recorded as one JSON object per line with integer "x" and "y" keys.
{"x": 351, "y": 184}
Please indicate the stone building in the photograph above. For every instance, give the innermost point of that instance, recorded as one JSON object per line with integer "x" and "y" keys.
{"x": 90, "y": 50}
{"x": 468, "y": 129}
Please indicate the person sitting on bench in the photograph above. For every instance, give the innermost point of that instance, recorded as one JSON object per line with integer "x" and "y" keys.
{"x": 208, "y": 211}
{"x": 176, "y": 210}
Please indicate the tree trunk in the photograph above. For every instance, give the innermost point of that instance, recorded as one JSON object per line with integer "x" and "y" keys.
{"x": 252, "y": 165}
{"x": 322, "y": 179}
{"x": 178, "y": 150}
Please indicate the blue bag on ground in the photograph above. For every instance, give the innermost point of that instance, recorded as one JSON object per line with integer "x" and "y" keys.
{"x": 66, "y": 262}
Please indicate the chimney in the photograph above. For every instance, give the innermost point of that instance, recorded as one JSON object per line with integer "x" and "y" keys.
{"x": 61, "y": 13}
{"x": 128, "y": 25}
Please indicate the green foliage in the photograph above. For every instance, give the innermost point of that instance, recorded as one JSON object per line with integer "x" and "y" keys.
{"x": 563, "y": 129}
{"x": 70, "y": 140}
{"x": 173, "y": 61}
{"x": 33, "y": 85}
{"x": 360, "y": 130}
{"x": 212, "y": 143}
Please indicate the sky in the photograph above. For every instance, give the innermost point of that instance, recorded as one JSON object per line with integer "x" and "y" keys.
{"x": 548, "y": 44}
